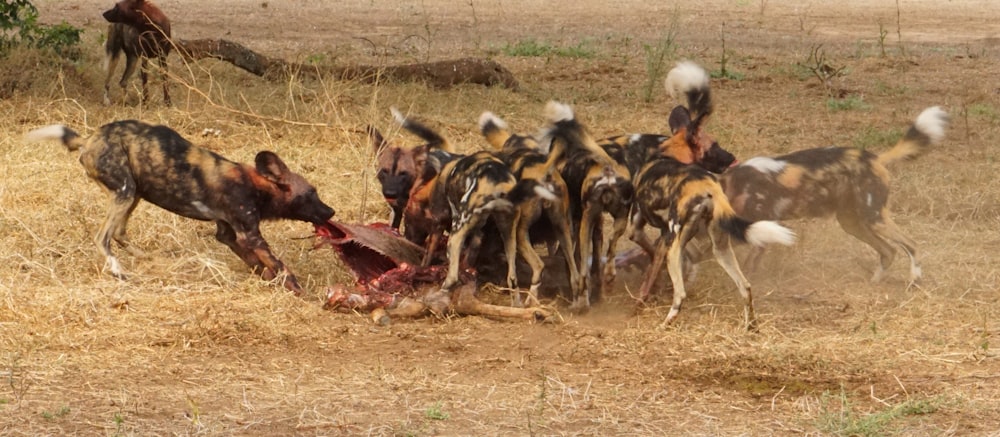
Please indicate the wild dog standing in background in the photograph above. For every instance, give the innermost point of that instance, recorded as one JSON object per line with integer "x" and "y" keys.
{"x": 849, "y": 183}
{"x": 400, "y": 168}
{"x": 682, "y": 199}
{"x": 597, "y": 184}
{"x": 153, "y": 29}
{"x": 122, "y": 39}
{"x": 136, "y": 161}
{"x": 550, "y": 218}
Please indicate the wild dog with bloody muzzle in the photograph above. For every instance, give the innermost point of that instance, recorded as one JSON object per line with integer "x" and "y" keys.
{"x": 138, "y": 161}
{"x": 683, "y": 199}
{"x": 849, "y": 183}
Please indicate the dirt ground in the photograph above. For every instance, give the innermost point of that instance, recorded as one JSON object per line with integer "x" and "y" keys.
{"x": 192, "y": 344}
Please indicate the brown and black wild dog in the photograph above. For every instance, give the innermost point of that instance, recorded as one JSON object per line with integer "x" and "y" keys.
{"x": 399, "y": 168}
{"x": 682, "y": 199}
{"x": 136, "y": 161}
{"x": 466, "y": 193}
{"x": 547, "y": 220}
{"x": 598, "y": 183}
{"x": 849, "y": 183}
{"x": 122, "y": 39}
{"x": 153, "y": 29}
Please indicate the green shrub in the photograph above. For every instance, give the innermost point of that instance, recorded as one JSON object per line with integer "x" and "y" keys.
{"x": 19, "y": 27}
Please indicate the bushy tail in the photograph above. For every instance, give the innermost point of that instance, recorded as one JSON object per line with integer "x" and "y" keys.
{"x": 565, "y": 133}
{"x": 433, "y": 139}
{"x": 691, "y": 81}
{"x": 494, "y": 129}
{"x": 926, "y": 130}
{"x": 69, "y": 138}
{"x": 759, "y": 233}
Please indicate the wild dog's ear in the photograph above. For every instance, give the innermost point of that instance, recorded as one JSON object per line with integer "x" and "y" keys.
{"x": 679, "y": 118}
{"x": 271, "y": 167}
{"x": 378, "y": 142}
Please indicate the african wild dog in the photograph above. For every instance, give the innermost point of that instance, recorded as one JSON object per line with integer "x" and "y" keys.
{"x": 400, "y": 168}
{"x": 122, "y": 39}
{"x": 597, "y": 184}
{"x": 682, "y": 199}
{"x": 849, "y": 183}
{"x": 547, "y": 220}
{"x": 153, "y": 29}
{"x": 136, "y": 161}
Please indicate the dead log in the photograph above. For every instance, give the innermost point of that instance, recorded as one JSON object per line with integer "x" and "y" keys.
{"x": 440, "y": 74}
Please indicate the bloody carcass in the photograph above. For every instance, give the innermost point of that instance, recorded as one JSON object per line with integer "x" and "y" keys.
{"x": 389, "y": 280}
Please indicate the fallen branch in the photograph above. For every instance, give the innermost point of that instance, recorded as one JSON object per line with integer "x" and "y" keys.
{"x": 440, "y": 74}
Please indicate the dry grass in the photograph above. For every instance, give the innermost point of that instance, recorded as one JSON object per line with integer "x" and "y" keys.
{"x": 192, "y": 344}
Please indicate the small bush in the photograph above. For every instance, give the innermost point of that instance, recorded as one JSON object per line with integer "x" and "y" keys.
{"x": 534, "y": 48}
{"x": 846, "y": 104}
{"x": 19, "y": 27}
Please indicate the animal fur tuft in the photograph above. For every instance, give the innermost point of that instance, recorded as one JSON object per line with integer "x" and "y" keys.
{"x": 69, "y": 138}
{"x": 691, "y": 81}
{"x": 556, "y": 112}
{"x": 927, "y": 130}
{"x": 683, "y": 78}
{"x": 494, "y": 129}
{"x": 768, "y": 232}
{"x": 434, "y": 140}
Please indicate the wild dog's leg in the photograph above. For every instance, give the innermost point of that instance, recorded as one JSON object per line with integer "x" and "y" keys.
{"x": 164, "y": 75}
{"x": 559, "y": 217}
{"x": 456, "y": 241}
{"x": 112, "y": 65}
{"x": 620, "y": 226}
{"x": 639, "y": 234}
{"x": 586, "y": 234}
{"x": 888, "y": 230}
{"x": 120, "y": 236}
{"x": 753, "y": 257}
{"x": 596, "y": 253}
{"x": 434, "y": 240}
{"x": 252, "y": 241}
{"x": 676, "y": 270}
{"x": 659, "y": 258}
{"x": 506, "y": 225}
{"x": 527, "y": 251}
{"x": 144, "y": 77}
{"x": 855, "y": 226}
{"x": 723, "y": 250}
{"x": 121, "y": 206}
{"x": 226, "y": 235}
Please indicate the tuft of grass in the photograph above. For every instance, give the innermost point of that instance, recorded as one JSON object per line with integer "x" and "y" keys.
{"x": 49, "y": 415}
{"x": 984, "y": 110}
{"x": 434, "y": 412}
{"x": 838, "y": 416}
{"x": 871, "y": 137}
{"x": 535, "y": 48}
{"x": 657, "y": 55}
{"x": 849, "y": 103}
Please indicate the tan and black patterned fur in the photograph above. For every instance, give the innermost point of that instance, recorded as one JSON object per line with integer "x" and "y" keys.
{"x": 138, "y": 161}
{"x": 848, "y": 183}
{"x": 540, "y": 219}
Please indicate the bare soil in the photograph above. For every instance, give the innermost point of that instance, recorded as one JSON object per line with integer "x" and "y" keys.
{"x": 193, "y": 344}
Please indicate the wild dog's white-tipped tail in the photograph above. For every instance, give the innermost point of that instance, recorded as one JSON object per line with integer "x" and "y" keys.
{"x": 932, "y": 122}
{"x": 545, "y": 193}
{"x": 685, "y": 77}
{"x": 47, "y": 133}
{"x": 768, "y": 232}
{"x": 556, "y": 112}
{"x": 400, "y": 118}
{"x": 488, "y": 118}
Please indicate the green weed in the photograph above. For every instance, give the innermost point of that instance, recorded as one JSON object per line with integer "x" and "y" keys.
{"x": 849, "y": 103}
{"x": 838, "y": 416}
{"x": 434, "y": 412}
{"x": 657, "y": 55}
{"x": 870, "y": 137}
{"x": 535, "y": 48}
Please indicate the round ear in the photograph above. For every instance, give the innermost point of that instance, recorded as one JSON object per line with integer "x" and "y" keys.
{"x": 679, "y": 118}
{"x": 271, "y": 166}
{"x": 378, "y": 142}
